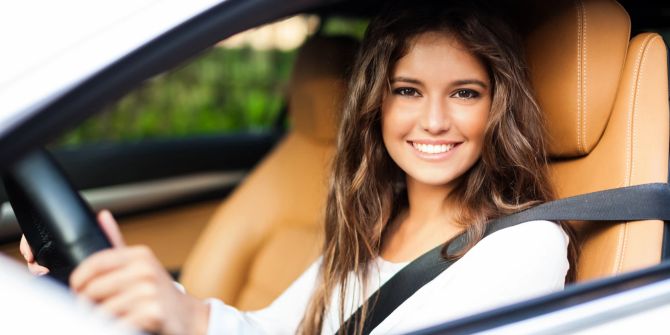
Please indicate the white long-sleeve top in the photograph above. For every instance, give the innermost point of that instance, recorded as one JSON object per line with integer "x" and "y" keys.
{"x": 509, "y": 265}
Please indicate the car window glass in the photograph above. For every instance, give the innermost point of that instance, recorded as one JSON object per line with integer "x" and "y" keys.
{"x": 238, "y": 86}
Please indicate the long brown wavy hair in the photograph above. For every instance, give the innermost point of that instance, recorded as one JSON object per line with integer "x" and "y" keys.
{"x": 367, "y": 188}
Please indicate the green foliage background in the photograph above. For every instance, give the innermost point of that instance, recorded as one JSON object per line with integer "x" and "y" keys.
{"x": 222, "y": 91}
{"x": 225, "y": 90}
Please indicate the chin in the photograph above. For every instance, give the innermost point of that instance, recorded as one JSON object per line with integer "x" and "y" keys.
{"x": 435, "y": 180}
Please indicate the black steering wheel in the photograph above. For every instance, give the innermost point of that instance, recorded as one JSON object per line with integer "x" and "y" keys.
{"x": 59, "y": 225}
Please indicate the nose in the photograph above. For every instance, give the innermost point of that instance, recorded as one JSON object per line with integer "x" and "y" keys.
{"x": 435, "y": 116}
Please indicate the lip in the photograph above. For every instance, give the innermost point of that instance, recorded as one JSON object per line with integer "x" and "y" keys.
{"x": 433, "y": 142}
{"x": 433, "y": 157}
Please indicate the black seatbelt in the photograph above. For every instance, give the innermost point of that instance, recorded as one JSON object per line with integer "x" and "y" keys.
{"x": 633, "y": 203}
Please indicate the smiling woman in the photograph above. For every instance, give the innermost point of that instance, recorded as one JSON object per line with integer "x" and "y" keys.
{"x": 407, "y": 177}
{"x": 433, "y": 121}
{"x": 441, "y": 134}
{"x": 420, "y": 161}
{"x": 433, "y": 124}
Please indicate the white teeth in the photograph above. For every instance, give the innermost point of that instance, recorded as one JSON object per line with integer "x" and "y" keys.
{"x": 432, "y": 149}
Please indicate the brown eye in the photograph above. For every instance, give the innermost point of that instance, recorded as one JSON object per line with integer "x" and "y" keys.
{"x": 466, "y": 94}
{"x": 406, "y": 91}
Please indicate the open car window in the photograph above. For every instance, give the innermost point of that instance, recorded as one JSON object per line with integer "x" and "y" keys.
{"x": 230, "y": 100}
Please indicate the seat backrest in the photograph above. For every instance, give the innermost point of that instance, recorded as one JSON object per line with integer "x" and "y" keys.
{"x": 605, "y": 98}
{"x": 268, "y": 230}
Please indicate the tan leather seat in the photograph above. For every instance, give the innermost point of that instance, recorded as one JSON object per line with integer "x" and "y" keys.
{"x": 268, "y": 231}
{"x": 606, "y": 100}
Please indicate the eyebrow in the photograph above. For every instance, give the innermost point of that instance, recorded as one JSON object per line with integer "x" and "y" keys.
{"x": 470, "y": 82}
{"x": 454, "y": 83}
{"x": 405, "y": 80}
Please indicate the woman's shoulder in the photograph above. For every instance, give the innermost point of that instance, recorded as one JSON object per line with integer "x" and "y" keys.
{"x": 512, "y": 264}
{"x": 539, "y": 238}
{"x": 542, "y": 230}
{"x": 536, "y": 250}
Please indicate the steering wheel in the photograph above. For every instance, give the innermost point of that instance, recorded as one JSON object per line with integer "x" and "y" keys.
{"x": 60, "y": 227}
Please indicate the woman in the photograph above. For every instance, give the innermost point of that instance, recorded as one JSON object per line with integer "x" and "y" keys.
{"x": 440, "y": 134}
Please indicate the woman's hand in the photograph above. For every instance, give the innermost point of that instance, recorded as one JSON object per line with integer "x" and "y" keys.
{"x": 107, "y": 224}
{"x": 27, "y": 253}
{"x": 131, "y": 284}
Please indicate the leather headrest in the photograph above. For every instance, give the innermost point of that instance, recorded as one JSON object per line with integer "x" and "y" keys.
{"x": 576, "y": 52}
{"x": 318, "y": 84}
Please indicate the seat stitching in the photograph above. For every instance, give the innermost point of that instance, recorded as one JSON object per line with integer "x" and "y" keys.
{"x": 632, "y": 105}
{"x": 584, "y": 77}
{"x": 631, "y": 140}
{"x": 579, "y": 73}
{"x": 647, "y": 46}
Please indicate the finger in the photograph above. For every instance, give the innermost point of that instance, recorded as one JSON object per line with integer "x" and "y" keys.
{"x": 24, "y": 247}
{"x": 96, "y": 265}
{"x": 111, "y": 228}
{"x": 115, "y": 282}
{"x": 27, "y": 253}
{"x": 37, "y": 269}
{"x": 122, "y": 303}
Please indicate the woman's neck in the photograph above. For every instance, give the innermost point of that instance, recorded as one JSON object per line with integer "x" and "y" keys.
{"x": 427, "y": 222}
{"x": 427, "y": 203}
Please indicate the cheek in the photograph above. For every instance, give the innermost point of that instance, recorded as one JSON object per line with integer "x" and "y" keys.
{"x": 478, "y": 125}
{"x": 389, "y": 133}
{"x": 477, "y": 122}
{"x": 396, "y": 124}
{"x": 472, "y": 125}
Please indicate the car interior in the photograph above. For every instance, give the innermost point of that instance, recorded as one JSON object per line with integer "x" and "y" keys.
{"x": 272, "y": 244}
{"x": 599, "y": 75}
{"x": 604, "y": 93}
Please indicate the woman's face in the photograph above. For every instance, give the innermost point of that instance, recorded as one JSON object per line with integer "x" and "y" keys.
{"x": 434, "y": 118}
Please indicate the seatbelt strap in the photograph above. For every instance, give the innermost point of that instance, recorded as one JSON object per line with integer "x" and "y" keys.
{"x": 633, "y": 203}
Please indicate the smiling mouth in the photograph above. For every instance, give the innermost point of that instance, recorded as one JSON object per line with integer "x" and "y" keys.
{"x": 433, "y": 148}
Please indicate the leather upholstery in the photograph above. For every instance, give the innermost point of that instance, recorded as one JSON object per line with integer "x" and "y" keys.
{"x": 606, "y": 100}
{"x": 633, "y": 150}
{"x": 271, "y": 273}
{"x": 576, "y": 56}
{"x": 316, "y": 85}
{"x": 267, "y": 232}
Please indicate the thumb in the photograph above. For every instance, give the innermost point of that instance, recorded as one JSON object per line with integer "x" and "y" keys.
{"x": 111, "y": 228}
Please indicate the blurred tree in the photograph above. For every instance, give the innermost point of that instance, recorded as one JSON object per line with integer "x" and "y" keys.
{"x": 225, "y": 90}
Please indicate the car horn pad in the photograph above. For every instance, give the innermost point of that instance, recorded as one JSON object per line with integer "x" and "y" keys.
{"x": 59, "y": 225}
